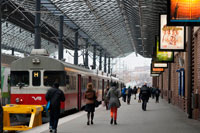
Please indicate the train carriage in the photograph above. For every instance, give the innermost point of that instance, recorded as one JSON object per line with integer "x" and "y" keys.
{"x": 32, "y": 76}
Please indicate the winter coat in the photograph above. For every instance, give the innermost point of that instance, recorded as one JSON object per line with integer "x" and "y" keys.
{"x": 113, "y": 96}
{"x": 55, "y": 96}
{"x": 144, "y": 93}
{"x": 90, "y": 96}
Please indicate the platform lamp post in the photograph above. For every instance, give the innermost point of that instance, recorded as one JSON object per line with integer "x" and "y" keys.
{"x": 1, "y": 109}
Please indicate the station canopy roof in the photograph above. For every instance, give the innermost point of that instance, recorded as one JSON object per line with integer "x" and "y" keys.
{"x": 118, "y": 27}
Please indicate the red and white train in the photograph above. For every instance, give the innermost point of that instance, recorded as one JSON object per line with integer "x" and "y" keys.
{"x": 32, "y": 76}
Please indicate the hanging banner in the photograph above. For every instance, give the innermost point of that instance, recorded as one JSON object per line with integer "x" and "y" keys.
{"x": 183, "y": 12}
{"x": 162, "y": 56}
{"x": 171, "y": 37}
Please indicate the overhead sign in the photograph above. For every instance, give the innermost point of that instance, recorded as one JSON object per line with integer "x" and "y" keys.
{"x": 155, "y": 75}
{"x": 171, "y": 37}
{"x": 160, "y": 65}
{"x": 162, "y": 56}
{"x": 183, "y": 12}
{"x": 157, "y": 69}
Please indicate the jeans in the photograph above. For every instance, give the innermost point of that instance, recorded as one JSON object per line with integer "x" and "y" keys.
{"x": 54, "y": 116}
{"x": 144, "y": 104}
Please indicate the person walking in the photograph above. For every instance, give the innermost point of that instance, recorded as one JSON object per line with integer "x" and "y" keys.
{"x": 90, "y": 96}
{"x": 55, "y": 96}
{"x": 105, "y": 98}
{"x": 144, "y": 95}
{"x": 157, "y": 94}
{"x": 124, "y": 93}
{"x": 114, "y": 103}
{"x": 129, "y": 90}
{"x": 135, "y": 91}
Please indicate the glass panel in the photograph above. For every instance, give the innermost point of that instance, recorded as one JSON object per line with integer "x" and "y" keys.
{"x": 19, "y": 78}
{"x": 50, "y": 77}
{"x": 36, "y": 76}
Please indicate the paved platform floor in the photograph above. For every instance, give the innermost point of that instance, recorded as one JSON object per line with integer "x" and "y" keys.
{"x": 159, "y": 118}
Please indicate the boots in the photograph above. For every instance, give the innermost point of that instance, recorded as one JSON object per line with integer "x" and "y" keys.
{"x": 111, "y": 121}
{"x": 115, "y": 122}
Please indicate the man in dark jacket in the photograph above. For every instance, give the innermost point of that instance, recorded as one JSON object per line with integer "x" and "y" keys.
{"x": 144, "y": 95}
{"x": 55, "y": 96}
{"x": 157, "y": 94}
{"x": 129, "y": 95}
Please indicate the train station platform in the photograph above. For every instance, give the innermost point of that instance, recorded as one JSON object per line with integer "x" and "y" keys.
{"x": 159, "y": 118}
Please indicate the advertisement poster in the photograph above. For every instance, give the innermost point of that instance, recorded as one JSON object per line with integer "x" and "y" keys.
{"x": 171, "y": 37}
{"x": 184, "y": 12}
{"x": 163, "y": 56}
{"x": 160, "y": 65}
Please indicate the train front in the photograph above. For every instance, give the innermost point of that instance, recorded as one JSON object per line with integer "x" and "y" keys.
{"x": 32, "y": 76}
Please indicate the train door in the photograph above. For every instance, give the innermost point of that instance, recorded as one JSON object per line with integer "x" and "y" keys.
{"x": 79, "y": 92}
{"x": 102, "y": 89}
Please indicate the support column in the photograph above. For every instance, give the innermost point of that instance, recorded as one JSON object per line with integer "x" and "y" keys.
{"x": 109, "y": 65}
{"x": 94, "y": 57}
{"x": 86, "y": 54}
{"x": 100, "y": 60}
{"x": 1, "y": 109}
{"x": 60, "y": 49}
{"x": 169, "y": 83}
{"x": 189, "y": 73}
{"x": 162, "y": 85}
{"x": 105, "y": 63}
{"x": 37, "y": 26}
{"x": 76, "y": 49}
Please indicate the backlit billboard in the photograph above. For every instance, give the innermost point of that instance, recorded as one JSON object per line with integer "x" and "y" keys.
{"x": 171, "y": 37}
{"x": 160, "y": 65}
{"x": 162, "y": 56}
{"x": 183, "y": 12}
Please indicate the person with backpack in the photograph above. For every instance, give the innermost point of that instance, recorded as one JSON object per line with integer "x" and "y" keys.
{"x": 124, "y": 93}
{"x": 157, "y": 94}
{"x": 90, "y": 96}
{"x": 55, "y": 96}
{"x": 129, "y": 90}
{"x": 144, "y": 95}
{"x": 114, "y": 103}
{"x": 135, "y": 91}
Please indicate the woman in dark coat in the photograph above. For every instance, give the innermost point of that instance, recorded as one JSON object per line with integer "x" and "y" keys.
{"x": 90, "y": 96}
{"x": 114, "y": 103}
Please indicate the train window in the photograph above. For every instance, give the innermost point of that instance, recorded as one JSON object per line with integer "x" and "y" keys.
{"x": 50, "y": 77}
{"x": 36, "y": 77}
{"x": 19, "y": 78}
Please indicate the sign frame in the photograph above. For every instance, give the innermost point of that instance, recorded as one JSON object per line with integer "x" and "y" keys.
{"x": 160, "y": 30}
{"x": 179, "y": 22}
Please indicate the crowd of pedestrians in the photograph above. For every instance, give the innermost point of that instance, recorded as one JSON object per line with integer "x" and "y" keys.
{"x": 111, "y": 99}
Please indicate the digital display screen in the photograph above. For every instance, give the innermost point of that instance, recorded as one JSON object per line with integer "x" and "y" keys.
{"x": 184, "y": 12}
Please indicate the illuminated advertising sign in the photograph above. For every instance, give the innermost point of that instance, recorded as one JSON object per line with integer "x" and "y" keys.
{"x": 157, "y": 69}
{"x": 162, "y": 56}
{"x": 171, "y": 37}
{"x": 183, "y": 12}
{"x": 155, "y": 75}
{"x": 160, "y": 65}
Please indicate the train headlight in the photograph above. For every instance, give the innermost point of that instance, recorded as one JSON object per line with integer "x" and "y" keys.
{"x": 36, "y": 61}
{"x": 17, "y": 100}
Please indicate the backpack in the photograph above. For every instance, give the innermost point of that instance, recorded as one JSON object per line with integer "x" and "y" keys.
{"x": 90, "y": 95}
